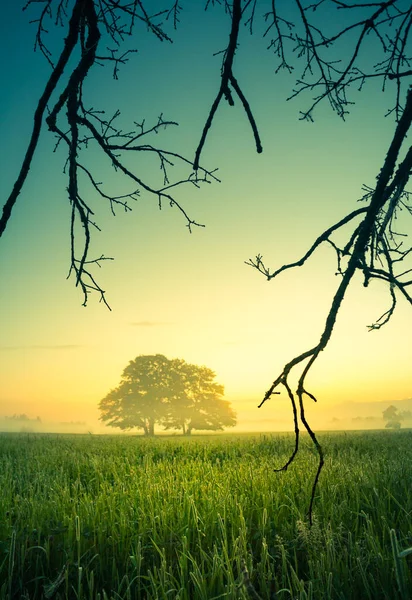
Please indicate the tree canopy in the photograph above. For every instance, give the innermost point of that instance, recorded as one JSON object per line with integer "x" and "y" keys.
{"x": 171, "y": 393}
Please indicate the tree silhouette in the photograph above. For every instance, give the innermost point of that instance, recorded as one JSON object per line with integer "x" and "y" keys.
{"x": 393, "y": 417}
{"x": 199, "y": 403}
{"x": 147, "y": 384}
{"x": 336, "y": 47}
{"x": 173, "y": 393}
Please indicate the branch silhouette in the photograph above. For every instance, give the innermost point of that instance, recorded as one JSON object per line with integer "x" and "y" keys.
{"x": 89, "y": 21}
{"x": 391, "y": 183}
{"x": 227, "y": 78}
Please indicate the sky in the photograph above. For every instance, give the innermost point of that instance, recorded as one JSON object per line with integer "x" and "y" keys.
{"x": 191, "y": 295}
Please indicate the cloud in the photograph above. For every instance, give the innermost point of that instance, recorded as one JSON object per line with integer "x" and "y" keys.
{"x": 147, "y": 323}
{"x": 42, "y": 347}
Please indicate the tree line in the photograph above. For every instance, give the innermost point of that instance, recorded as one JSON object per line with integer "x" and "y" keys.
{"x": 168, "y": 392}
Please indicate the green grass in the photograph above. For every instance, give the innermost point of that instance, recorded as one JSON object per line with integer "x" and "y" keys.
{"x": 106, "y": 517}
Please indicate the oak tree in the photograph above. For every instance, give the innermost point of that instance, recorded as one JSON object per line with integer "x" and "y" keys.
{"x": 199, "y": 403}
{"x": 139, "y": 400}
{"x": 172, "y": 393}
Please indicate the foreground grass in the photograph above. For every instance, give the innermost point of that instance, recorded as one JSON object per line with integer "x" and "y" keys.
{"x": 128, "y": 518}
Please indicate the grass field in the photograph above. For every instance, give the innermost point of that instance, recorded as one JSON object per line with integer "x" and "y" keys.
{"x": 130, "y": 518}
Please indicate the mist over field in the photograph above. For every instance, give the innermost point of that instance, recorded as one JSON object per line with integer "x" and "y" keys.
{"x": 274, "y": 417}
{"x": 25, "y": 424}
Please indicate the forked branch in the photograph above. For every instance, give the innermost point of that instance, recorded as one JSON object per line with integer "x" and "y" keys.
{"x": 227, "y": 79}
{"x": 76, "y": 127}
{"x": 363, "y": 248}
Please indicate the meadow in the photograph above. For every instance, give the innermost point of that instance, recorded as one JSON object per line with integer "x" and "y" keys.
{"x": 122, "y": 517}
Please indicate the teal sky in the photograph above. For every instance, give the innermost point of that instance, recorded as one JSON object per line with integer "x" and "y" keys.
{"x": 191, "y": 295}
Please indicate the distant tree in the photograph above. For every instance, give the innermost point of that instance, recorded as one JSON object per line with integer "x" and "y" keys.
{"x": 390, "y": 413}
{"x": 392, "y": 417}
{"x": 26, "y": 423}
{"x": 199, "y": 403}
{"x": 139, "y": 400}
{"x": 22, "y": 417}
{"x": 173, "y": 393}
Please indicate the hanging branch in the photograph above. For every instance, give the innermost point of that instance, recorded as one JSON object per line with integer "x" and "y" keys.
{"x": 227, "y": 78}
{"x": 90, "y": 19}
{"x": 373, "y": 245}
{"x": 363, "y": 248}
{"x": 69, "y": 45}
{"x": 389, "y": 22}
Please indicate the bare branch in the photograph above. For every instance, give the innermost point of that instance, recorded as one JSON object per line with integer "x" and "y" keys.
{"x": 258, "y": 264}
{"x": 389, "y": 181}
{"x": 69, "y": 44}
{"x": 90, "y": 19}
{"x": 224, "y": 90}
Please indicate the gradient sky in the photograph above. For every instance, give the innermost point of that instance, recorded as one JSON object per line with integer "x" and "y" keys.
{"x": 184, "y": 295}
